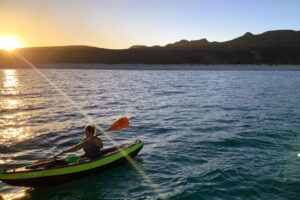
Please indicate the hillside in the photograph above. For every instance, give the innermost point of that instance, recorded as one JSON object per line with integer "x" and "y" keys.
{"x": 272, "y": 47}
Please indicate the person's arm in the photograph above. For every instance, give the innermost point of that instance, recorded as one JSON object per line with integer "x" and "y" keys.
{"x": 98, "y": 142}
{"x": 75, "y": 148}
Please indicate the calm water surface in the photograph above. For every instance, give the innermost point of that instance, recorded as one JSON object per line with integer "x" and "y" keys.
{"x": 207, "y": 134}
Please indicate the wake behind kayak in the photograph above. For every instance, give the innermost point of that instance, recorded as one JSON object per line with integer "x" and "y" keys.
{"x": 41, "y": 175}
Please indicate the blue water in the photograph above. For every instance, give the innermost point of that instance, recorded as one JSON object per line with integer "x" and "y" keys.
{"x": 207, "y": 134}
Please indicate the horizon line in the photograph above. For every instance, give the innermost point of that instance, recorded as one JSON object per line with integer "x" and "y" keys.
{"x": 156, "y": 45}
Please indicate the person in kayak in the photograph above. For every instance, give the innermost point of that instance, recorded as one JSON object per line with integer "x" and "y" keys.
{"x": 91, "y": 144}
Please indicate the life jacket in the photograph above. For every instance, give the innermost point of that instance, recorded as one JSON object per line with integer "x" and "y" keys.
{"x": 91, "y": 149}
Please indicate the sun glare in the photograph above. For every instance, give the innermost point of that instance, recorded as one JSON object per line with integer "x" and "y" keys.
{"x": 9, "y": 43}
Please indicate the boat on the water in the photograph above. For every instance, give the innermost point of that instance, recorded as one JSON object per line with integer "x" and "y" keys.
{"x": 60, "y": 171}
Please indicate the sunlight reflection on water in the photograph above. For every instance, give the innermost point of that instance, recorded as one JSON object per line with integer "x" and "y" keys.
{"x": 14, "y": 195}
{"x": 10, "y": 82}
{"x": 11, "y": 118}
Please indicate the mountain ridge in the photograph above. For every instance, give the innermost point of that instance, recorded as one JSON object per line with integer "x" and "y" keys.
{"x": 271, "y": 47}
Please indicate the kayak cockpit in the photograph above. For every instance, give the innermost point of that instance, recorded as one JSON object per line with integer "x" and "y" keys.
{"x": 62, "y": 163}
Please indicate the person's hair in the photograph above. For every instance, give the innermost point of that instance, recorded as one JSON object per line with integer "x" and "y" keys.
{"x": 90, "y": 128}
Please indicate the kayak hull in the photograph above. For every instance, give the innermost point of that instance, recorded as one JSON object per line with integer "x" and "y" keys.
{"x": 41, "y": 178}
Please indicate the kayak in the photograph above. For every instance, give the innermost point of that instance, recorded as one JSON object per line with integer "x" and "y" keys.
{"x": 60, "y": 171}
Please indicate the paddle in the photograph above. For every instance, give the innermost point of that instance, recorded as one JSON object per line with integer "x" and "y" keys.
{"x": 121, "y": 123}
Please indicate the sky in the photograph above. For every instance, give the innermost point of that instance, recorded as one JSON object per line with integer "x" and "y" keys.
{"x": 119, "y": 24}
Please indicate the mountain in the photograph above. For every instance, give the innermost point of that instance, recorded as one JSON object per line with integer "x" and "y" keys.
{"x": 188, "y": 44}
{"x": 272, "y": 47}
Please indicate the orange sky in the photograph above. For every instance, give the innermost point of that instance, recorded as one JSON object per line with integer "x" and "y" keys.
{"x": 123, "y": 23}
{"x": 47, "y": 24}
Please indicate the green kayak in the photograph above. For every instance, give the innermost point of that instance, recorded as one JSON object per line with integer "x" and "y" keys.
{"x": 60, "y": 171}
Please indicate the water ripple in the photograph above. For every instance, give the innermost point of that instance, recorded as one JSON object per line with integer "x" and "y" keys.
{"x": 207, "y": 134}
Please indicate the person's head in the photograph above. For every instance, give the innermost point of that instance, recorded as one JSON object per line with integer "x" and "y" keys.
{"x": 89, "y": 131}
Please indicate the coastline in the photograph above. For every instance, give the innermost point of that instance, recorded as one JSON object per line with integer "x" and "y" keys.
{"x": 179, "y": 67}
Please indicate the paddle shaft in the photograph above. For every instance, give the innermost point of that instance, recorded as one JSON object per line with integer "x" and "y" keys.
{"x": 81, "y": 143}
{"x": 121, "y": 123}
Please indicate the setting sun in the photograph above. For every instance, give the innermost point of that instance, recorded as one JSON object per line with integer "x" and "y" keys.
{"x": 9, "y": 43}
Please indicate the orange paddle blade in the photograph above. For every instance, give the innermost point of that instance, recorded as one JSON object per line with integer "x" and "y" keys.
{"x": 40, "y": 161}
{"x": 119, "y": 124}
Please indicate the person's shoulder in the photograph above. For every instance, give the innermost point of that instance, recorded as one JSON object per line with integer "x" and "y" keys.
{"x": 97, "y": 138}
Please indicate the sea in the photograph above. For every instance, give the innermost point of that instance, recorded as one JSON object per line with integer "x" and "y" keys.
{"x": 208, "y": 134}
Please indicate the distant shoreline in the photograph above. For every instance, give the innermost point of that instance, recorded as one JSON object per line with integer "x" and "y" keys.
{"x": 279, "y": 47}
{"x": 178, "y": 67}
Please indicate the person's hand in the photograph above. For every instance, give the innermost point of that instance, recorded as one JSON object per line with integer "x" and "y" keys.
{"x": 60, "y": 154}
{"x": 63, "y": 152}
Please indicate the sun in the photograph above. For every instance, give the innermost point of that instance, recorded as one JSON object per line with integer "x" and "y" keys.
{"x": 9, "y": 43}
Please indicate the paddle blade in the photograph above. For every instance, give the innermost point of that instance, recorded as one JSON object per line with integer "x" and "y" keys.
{"x": 41, "y": 161}
{"x": 119, "y": 124}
